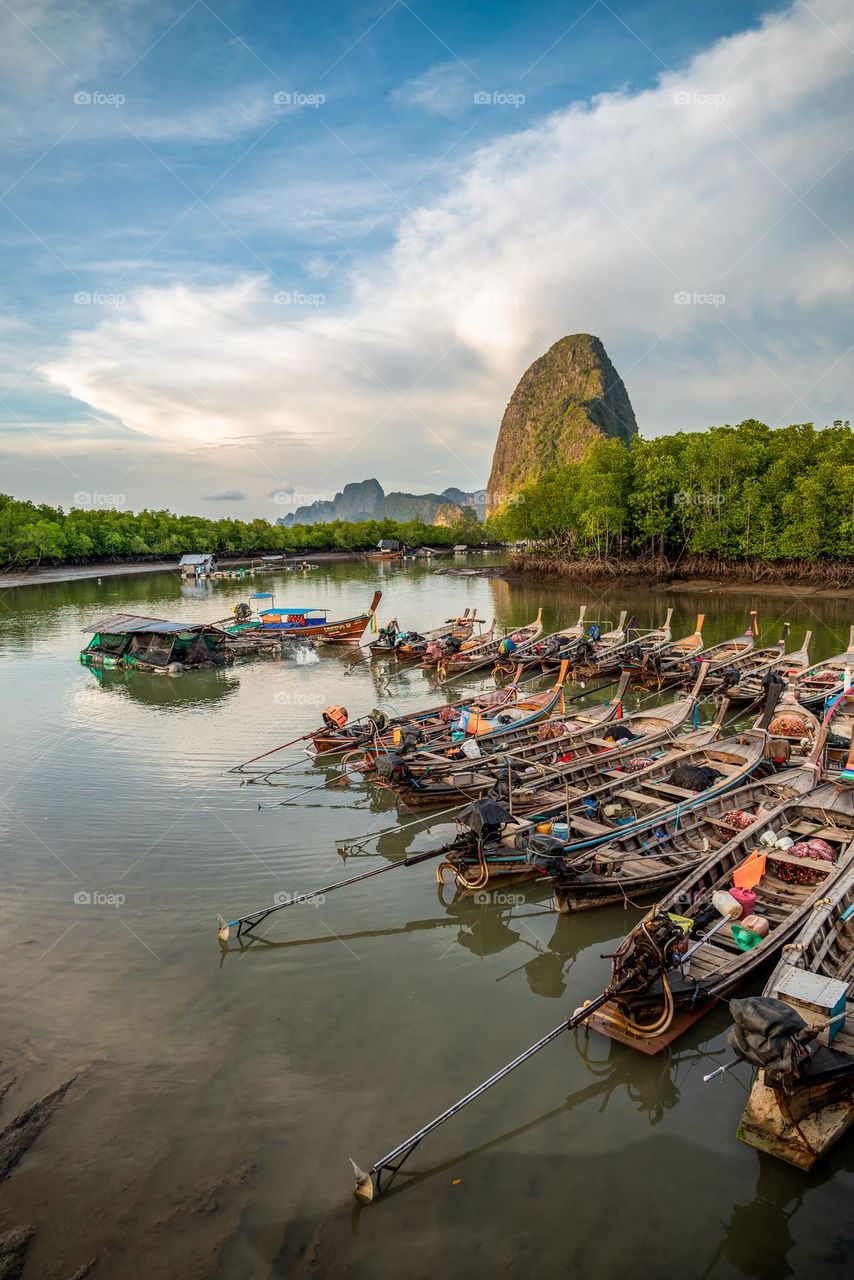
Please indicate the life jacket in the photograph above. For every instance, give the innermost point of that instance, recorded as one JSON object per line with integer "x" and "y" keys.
{"x": 335, "y": 717}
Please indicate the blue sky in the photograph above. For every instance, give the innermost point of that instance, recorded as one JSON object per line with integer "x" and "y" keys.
{"x": 253, "y": 251}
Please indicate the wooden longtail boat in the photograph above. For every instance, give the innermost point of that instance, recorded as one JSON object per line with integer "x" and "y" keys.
{"x": 648, "y": 663}
{"x": 662, "y": 853}
{"x": 595, "y": 809}
{"x": 519, "y": 775}
{"x": 669, "y": 670}
{"x": 839, "y": 722}
{"x": 752, "y": 668}
{"x": 686, "y": 954}
{"x": 490, "y": 727}
{"x": 308, "y": 624}
{"x": 596, "y": 643}
{"x": 406, "y": 646}
{"x": 485, "y": 651}
{"x": 802, "y": 1108}
{"x": 552, "y": 649}
{"x": 516, "y": 736}
{"x": 633, "y": 648}
{"x": 435, "y": 652}
{"x": 825, "y": 679}
{"x": 338, "y": 733}
{"x": 650, "y": 860}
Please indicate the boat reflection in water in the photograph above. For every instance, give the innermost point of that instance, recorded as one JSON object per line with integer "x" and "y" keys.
{"x": 210, "y": 684}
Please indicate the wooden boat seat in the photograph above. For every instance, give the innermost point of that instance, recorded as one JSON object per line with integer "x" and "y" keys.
{"x": 681, "y": 793}
{"x": 719, "y": 822}
{"x": 588, "y": 828}
{"x": 804, "y": 828}
{"x": 816, "y": 864}
{"x": 638, "y": 797}
{"x": 598, "y": 742}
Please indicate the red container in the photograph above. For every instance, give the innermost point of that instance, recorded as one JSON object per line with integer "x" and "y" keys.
{"x": 747, "y": 898}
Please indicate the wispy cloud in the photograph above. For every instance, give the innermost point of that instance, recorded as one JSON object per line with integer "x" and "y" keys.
{"x": 226, "y": 495}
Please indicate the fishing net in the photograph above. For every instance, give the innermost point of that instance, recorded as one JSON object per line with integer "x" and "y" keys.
{"x": 818, "y": 850}
{"x": 788, "y": 725}
{"x": 738, "y": 819}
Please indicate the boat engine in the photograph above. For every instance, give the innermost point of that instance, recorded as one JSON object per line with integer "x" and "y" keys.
{"x": 650, "y": 949}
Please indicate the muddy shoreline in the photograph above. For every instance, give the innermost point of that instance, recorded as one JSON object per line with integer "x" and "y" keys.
{"x": 80, "y": 572}
{"x": 835, "y": 583}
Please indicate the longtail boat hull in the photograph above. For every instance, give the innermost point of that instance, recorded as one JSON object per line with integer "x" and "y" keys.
{"x": 798, "y": 1119}
{"x": 787, "y": 887}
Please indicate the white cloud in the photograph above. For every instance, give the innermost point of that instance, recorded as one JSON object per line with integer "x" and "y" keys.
{"x": 442, "y": 90}
{"x": 592, "y": 219}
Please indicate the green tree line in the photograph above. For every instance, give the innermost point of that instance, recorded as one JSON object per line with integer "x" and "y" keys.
{"x": 32, "y": 534}
{"x": 735, "y": 492}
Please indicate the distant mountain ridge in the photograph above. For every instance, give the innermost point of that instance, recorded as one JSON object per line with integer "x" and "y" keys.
{"x": 367, "y": 500}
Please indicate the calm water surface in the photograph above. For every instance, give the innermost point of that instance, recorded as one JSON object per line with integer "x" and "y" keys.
{"x": 221, "y": 1093}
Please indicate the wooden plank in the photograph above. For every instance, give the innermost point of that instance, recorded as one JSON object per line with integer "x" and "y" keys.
{"x": 681, "y": 793}
{"x": 637, "y": 797}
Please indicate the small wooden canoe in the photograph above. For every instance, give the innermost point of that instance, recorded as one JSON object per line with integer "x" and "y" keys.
{"x": 679, "y": 669}
{"x": 551, "y": 650}
{"x": 308, "y": 624}
{"x": 826, "y": 679}
{"x": 489, "y": 725}
{"x": 645, "y": 671}
{"x": 651, "y": 860}
{"x": 798, "y": 1115}
{"x": 679, "y": 974}
{"x": 633, "y": 649}
{"x": 339, "y": 734}
{"x": 410, "y": 646}
{"x": 752, "y": 668}
{"x": 479, "y": 654}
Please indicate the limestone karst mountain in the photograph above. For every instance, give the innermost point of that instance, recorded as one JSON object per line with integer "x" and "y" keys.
{"x": 568, "y": 398}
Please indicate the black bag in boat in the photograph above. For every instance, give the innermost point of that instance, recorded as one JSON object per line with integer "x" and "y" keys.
{"x": 621, "y": 733}
{"x": 391, "y": 766}
{"x": 410, "y": 736}
{"x": 486, "y": 818}
{"x": 694, "y": 777}
{"x": 765, "y": 1032}
{"x": 546, "y": 853}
